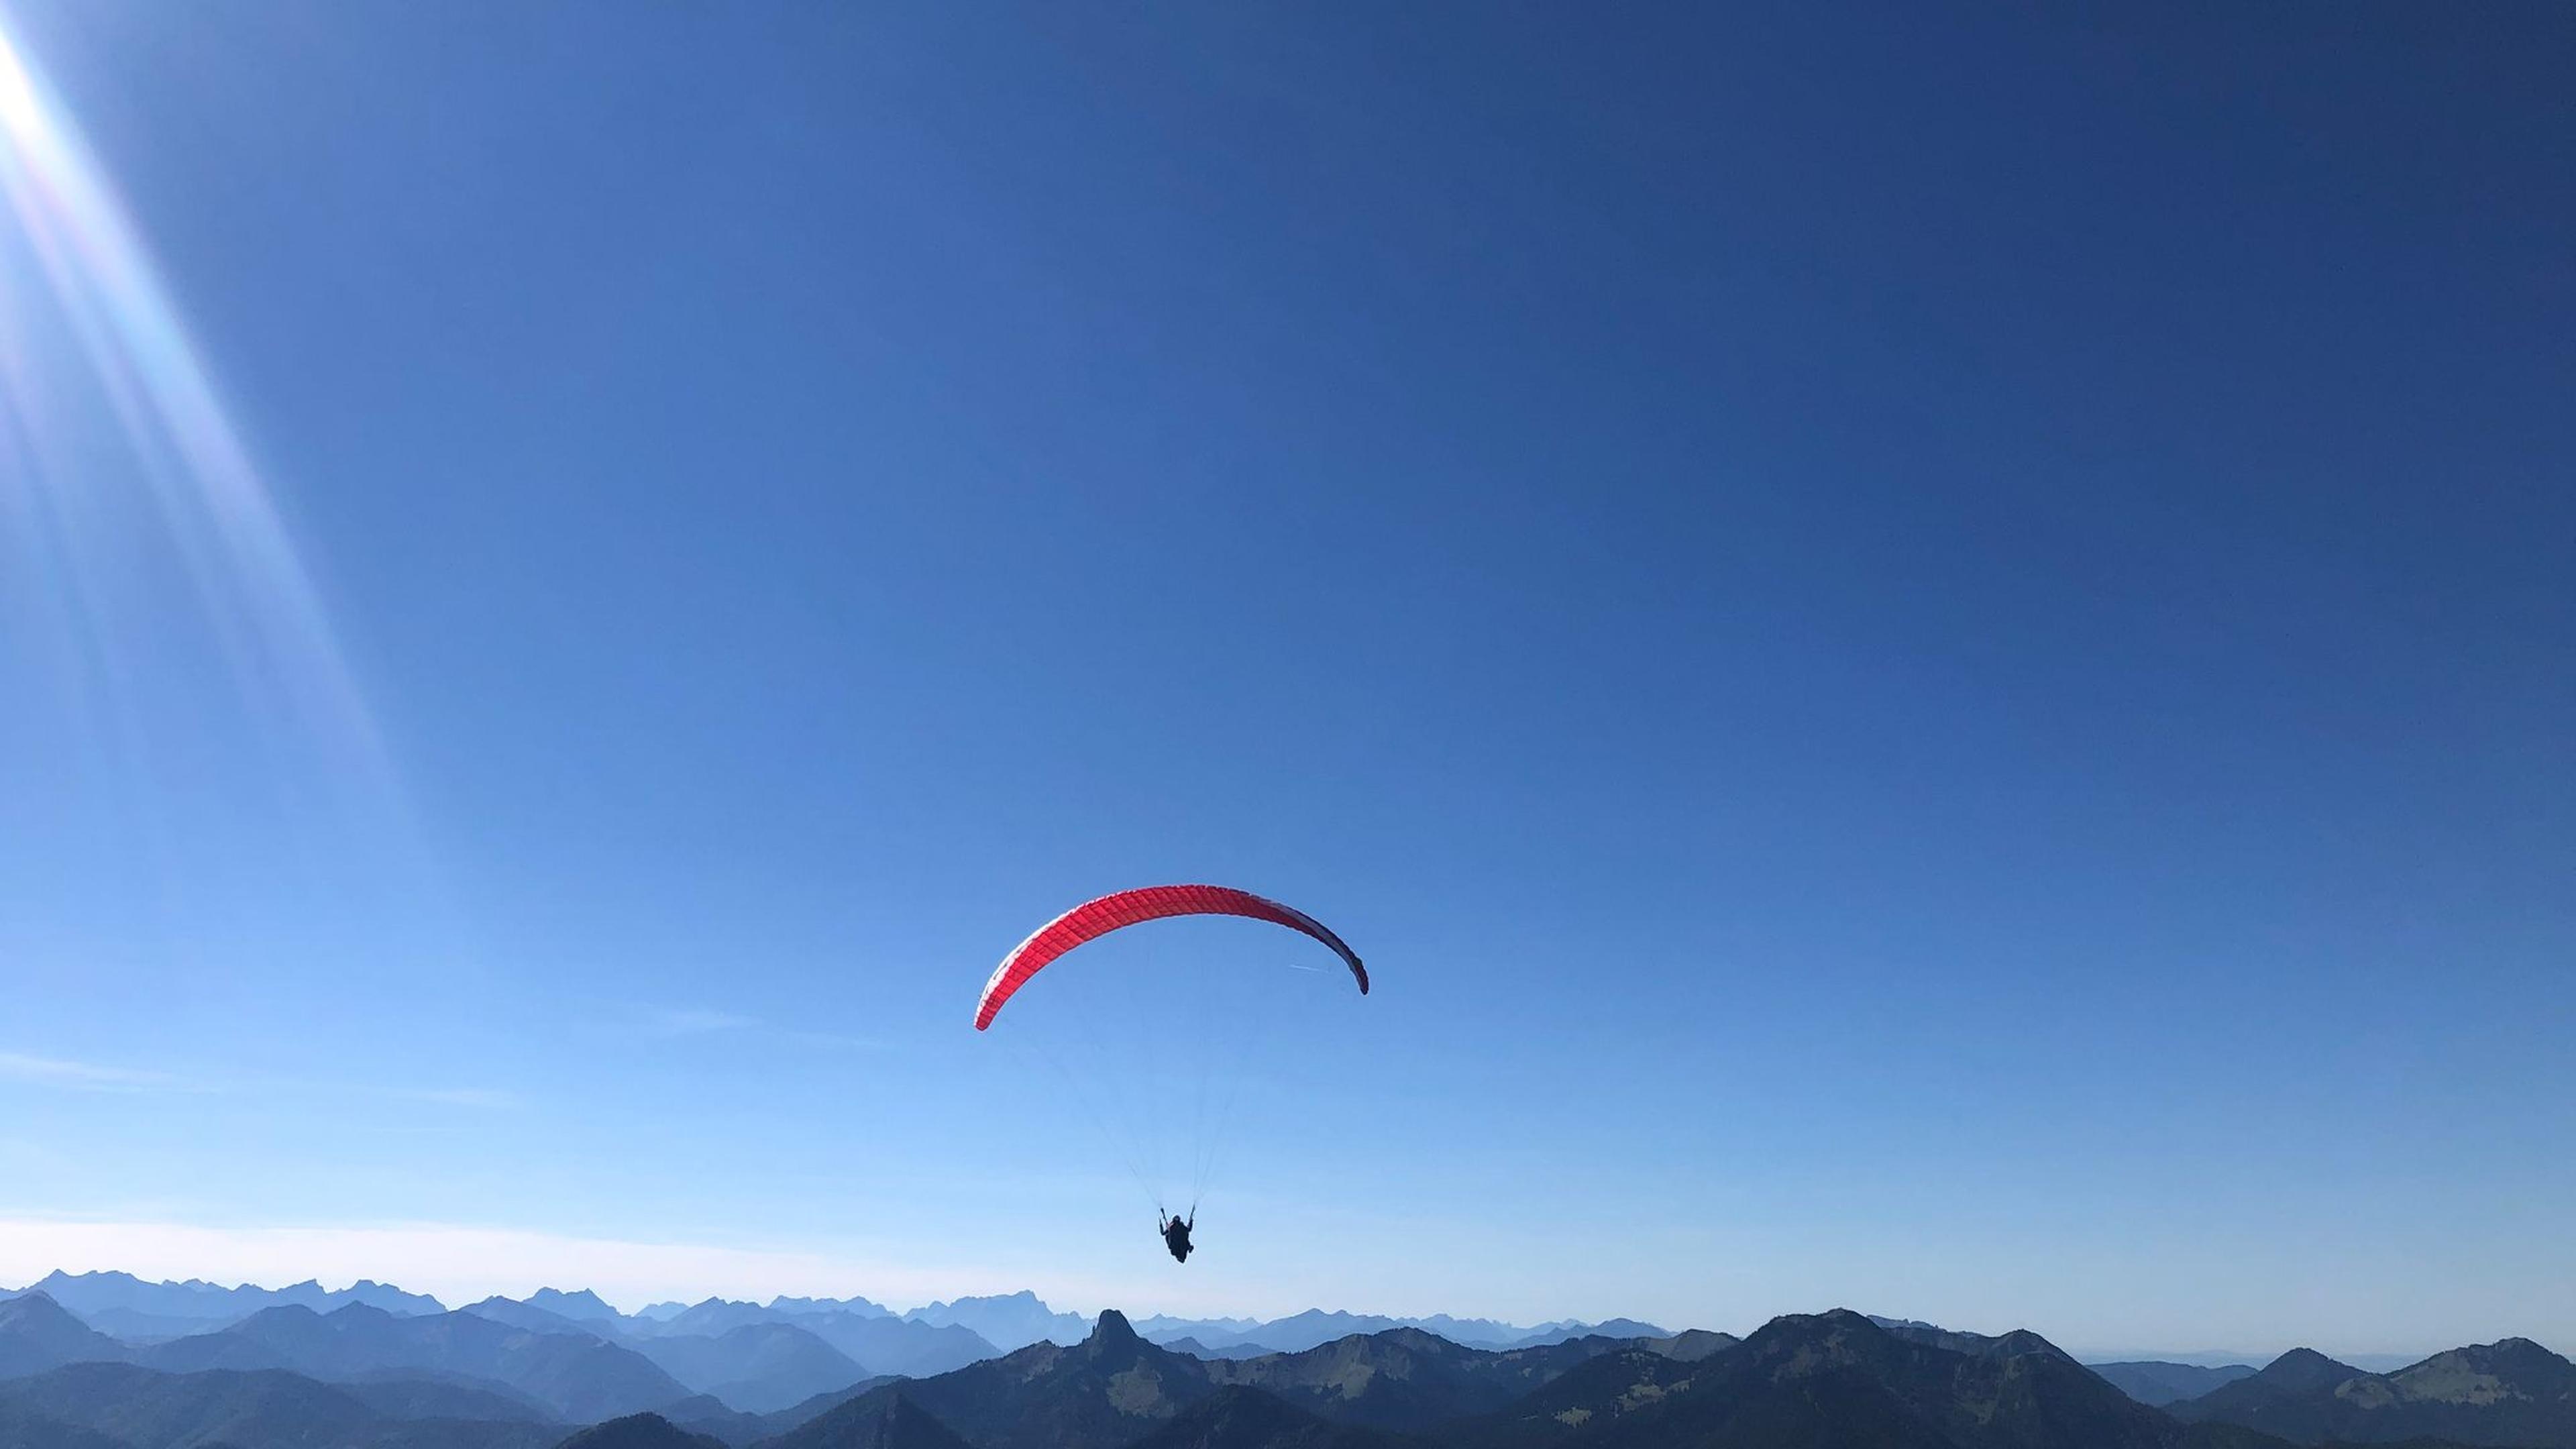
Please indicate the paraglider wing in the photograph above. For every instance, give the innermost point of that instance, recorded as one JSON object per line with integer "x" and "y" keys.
{"x": 1094, "y": 919}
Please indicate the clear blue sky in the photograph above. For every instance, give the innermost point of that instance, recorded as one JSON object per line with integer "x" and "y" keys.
{"x": 1934, "y": 656}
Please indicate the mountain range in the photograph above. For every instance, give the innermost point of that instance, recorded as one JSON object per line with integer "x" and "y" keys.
{"x": 1246, "y": 1338}
{"x": 564, "y": 1368}
{"x": 2509, "y": 1392}
{"x": 1115, "y": 1385}
{"x": 132, "y": 1309}
{"x": 926, "y": 1340}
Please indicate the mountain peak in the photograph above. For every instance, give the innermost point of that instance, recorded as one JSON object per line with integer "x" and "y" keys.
{"x": 863, "y": 1307}
{"x": 2306, "y": 1368}
{"x": 2486, "y": 1372}
{"x": 58, "y": 1277}
{"x": 37, "y": 1311}
{"x": 2512, "y": 1351}
{"x": 1832, "y": 1320}
{"x": 1113, "y": 1329}
{"x": 579, "y": 1303}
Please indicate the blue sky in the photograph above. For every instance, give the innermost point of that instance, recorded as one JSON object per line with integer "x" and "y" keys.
{"x": 1932, "y": 655}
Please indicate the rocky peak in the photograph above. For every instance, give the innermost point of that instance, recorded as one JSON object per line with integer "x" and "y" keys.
{"x": 2305, "y": 1368}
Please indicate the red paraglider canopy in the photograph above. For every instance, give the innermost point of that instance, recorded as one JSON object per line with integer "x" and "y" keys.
{"x": 1094, "y": 919}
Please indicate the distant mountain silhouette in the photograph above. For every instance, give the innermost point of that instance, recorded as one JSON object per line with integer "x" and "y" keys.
{"x": 581, "y": 1378}
{"x": 711, "y": 1316}
{"x": 141, "y": 1408}
{"x": 640, "y": 1431}
{"x": 551, "y": 1310}
{"x": 756, "y": 1368}
{"x": 1491, "y": 1333}
{"x": 1306, "y": 1330}
{"x": 1196, "y": 1349}
{"x": 524, "y": 1313}
{"x": 897, "y": 1346}
{"x": 864, "y": 1308}
{"x": 37, "y": 1334}
{"x": 1159, "y": 1328}
{"x": 2155, "y": 1382}
{"x": 1008, "y": 1321}
{"x": 1246, "y": 1337}
{"x": 2512, "y": 1392}
{"x": 137, "y": 1311}
{"x": 1562, "y": 1332}
{"x": 1246, "y": 1418}
{"x": 878, "y": 1343}
{"x": 581, "y": 1306}
{"x": 1002, "y": 1322}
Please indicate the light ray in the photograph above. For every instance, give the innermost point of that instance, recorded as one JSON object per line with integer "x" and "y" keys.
{"x": 214, "y": 508}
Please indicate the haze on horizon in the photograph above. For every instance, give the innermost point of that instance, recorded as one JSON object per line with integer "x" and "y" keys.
{"x": 1932, "y": 655}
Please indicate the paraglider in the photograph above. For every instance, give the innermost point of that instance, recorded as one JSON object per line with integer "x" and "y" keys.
{"x": 1094, "y": 919}
{"x": 1119, "y": 910}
